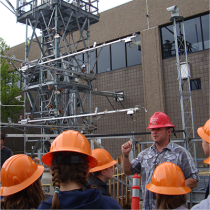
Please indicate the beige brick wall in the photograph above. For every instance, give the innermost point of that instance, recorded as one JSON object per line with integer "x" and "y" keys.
{"x": 152, "y": 72}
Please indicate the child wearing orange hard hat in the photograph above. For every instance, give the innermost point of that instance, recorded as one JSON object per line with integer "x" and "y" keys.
{"x": 204, "y": 133}
{"x": 168, "y": 182}
{"x": 70, "y": 158}
{"x": 103, "y": 171}
{"x": 20, "y": 183}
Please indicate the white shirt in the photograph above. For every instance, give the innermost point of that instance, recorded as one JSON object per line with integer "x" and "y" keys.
{"x": 204, "y": 204}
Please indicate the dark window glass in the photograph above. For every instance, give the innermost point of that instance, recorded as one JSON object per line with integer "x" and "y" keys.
{"x": 104, "y": 59}
{"x": 133, "y": 50}
{"x": 193, "y": 35}
{"x": 195, "y": 84}
{"x": 118, "y": 55}
{"x": 205, "y": 27}
{"x": 78, "y": 61}
{"x": 168, "y": 47}
{"x": 92, "y": 55}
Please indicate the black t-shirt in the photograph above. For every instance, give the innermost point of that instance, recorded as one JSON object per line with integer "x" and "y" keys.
{"x": 5, "y": 154}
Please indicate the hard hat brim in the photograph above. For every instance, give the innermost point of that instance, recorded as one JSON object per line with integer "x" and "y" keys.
{"x": 5, "y": 191}
{"x": 48, "y": 157}
{"x": 168, "y": 190}
{"x": 105, "y": 166}
{"x": 207, "y": 161}
{"x": 161, "y": 126}
{"x": 203, "y": 135}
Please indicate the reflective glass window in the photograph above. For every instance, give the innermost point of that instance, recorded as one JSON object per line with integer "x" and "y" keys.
{"x": 133, "y": 50}
{"x": 195, "y": 84}
{"x": 118, "y": 55}
{"x": 193, "y": 35}
{"x": 205, "y": 30}
{"x": 196, "y": 34}
{"x": 104, "y": 59}
{"x": 92, "y": 55}
{"x": 168, "y": 47}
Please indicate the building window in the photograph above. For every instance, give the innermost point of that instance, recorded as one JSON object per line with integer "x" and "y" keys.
{"x": 133, "y": 50}
{"x": 118, "y": 55}
{"x": 104, "y": 59}
{"x": 195, "y": 84}
{"x": 167, "y": 36}
{"x": 196, "y": 34}
{"x": 205, "y": 29}
{"x": 193, "y": 35}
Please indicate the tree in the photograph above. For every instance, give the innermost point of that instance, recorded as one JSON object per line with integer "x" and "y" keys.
{"x": 9, "y": 88}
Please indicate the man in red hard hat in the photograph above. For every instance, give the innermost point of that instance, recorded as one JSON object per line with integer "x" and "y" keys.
{"x": 163, "y": 150}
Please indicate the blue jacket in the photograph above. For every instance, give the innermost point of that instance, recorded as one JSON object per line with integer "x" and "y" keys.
{"x": 79, "y": 199}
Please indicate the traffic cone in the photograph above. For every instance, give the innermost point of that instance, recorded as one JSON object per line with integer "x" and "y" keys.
{"x": 135, "y": 192}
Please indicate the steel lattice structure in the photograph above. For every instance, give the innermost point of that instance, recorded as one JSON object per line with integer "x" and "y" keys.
{"x": 184, "y": 75}
{"x": 58, "y": 83}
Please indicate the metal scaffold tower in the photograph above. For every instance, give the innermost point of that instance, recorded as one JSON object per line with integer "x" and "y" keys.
{"x": 183, "y": 67}
{"x": 54, "y": 89}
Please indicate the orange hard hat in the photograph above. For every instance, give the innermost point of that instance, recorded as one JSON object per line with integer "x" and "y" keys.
{"x": 168, "y": 179}
{"x": 17, "y": 173}
{"x": 70, "y": 141}
{"x": 207, "y": 161}
{"x": 160, "y": 120}
{"x": 104, "y": 160}
{"x": 204, "y": 132}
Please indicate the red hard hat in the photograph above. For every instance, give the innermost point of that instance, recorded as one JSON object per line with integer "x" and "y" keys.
{"x": 168, "y": 179}
{"x": 70, "y": 141}
{"x": 104, "y": 160}
{"x": 160, "y": 120}
{"x": 17, "y": 173}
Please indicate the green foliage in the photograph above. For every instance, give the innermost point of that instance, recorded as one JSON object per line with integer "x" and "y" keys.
{"x": 3, "y": 46}
{"x": 9, "y": 88}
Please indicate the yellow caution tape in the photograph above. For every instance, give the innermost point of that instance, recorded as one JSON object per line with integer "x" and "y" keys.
{"x": 118, "y": 174}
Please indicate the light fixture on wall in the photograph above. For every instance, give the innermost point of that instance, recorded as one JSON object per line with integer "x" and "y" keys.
{"x": 119, "y": 98}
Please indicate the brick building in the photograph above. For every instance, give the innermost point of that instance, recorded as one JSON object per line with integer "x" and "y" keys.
{"x": 144, "y": 71}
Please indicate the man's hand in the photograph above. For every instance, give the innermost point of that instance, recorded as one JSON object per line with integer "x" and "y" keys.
{"x": 36, "y": 160}
{"x": 126, "y": 148}
{"x": 126, "y": 165}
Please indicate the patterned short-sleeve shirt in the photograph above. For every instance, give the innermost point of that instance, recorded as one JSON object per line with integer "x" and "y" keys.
{"x": 148, "y": 159}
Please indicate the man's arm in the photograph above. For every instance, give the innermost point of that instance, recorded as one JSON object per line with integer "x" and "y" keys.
{"x": 189, "y": 169}
{"x": 126, "y": 165}
{"x": 191, "y": 183}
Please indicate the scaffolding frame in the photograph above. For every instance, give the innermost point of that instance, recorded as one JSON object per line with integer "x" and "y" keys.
{"x": 183, "y": 67}
{"x": 61, "y": 87}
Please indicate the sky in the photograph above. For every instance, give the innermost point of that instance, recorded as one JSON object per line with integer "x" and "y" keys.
{"x": 14, "y": 33}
